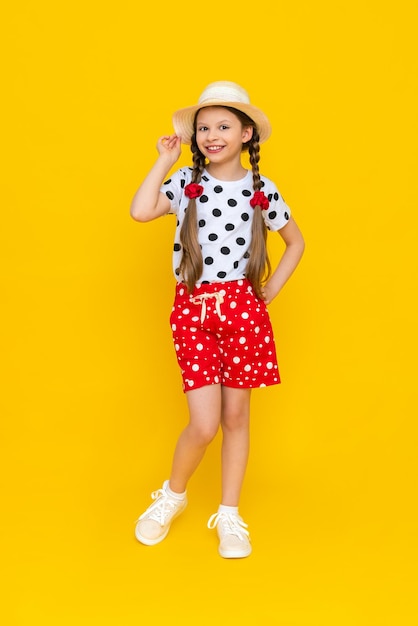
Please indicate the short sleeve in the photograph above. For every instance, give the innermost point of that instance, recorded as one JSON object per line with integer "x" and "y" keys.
{"x": 173, "y": 189}
{"x": 278, "y": 213}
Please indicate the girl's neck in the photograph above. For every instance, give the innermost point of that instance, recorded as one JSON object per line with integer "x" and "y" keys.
{"x": 226, "y": 171}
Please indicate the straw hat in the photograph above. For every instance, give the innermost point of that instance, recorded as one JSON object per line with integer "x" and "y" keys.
{"x": 221, "y": 93}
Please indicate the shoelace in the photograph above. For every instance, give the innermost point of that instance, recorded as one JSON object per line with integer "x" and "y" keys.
{"x": 201, "y": 299}
{"x": 162, "y": 507}
{"x": 231, "y": 524}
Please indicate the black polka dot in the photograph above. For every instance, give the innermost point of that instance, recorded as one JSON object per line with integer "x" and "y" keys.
{"x": 213, "y": 237}
{"x": 182, "y": 183}
{"x": 167, "y": 182}
{"x": 170, "y": 195}
{"x": 216, "y": 213}
{"x": 202, "y": 223}
{"x": 276, "y": 196}
{"x": 236, "y": 264}
{"x": 225, "y": 250}
{"x": 203, "y": 199}
{"x": 262, "y": 183}
{"x": 247, "y": 193}
{"x": 229, "y": 227}
{"x": 270, "y": 197}
{"x": 272, "y": 214}
{"x": 245, "y": 217}
{"x": 247, "y": 255}
{"x": 218, "y": 189}
{"x": 177, "y": 271}
{"x": 241, "y": 241}
{"x": 177, "y": 247}
{"x": 286, "y": 215}
{"x": 221, "y": 274}
{"x": 232, "y": 202}
{"x": 205, "y": 178}
{"x": 208, "y": 260}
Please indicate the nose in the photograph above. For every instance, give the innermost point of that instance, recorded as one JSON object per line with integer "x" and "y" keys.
{"x": 212, "y": 134}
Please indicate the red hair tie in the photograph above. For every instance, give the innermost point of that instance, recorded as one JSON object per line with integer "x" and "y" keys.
{"x": 259, "y": 199}
{"x": 193, "y": 190}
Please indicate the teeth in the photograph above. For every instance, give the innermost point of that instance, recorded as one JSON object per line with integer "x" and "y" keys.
{"x": 213, "y": 148}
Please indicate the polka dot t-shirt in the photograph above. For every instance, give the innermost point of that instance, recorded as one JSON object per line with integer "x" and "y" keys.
{"x": 224, "y": 216}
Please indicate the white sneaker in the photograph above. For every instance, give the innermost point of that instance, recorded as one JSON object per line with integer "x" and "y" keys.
{"x": 234, "y": 538}
{"x": 153, "y": 525}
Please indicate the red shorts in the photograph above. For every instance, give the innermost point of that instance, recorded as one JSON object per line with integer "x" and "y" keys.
{"x": 222, "y": 334}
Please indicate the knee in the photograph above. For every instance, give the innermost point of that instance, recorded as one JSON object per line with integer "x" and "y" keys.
{"x": 234, "y": 420}
{"x": 203, "y": 434}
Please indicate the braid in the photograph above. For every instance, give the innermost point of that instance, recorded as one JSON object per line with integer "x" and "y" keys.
{"x": 254, "y": 153}
{"x": 258, "y": 267}
{"x": 199, "y": 161}
{"x": 191, "y": 266}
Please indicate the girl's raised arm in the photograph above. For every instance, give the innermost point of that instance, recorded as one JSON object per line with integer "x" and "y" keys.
{"x": 148, "y": 202}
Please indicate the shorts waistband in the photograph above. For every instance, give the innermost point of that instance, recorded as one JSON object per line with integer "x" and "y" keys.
{"x": 243, "y": 284}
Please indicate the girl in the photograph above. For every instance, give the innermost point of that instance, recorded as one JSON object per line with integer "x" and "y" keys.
{"x": 221, "y": 327}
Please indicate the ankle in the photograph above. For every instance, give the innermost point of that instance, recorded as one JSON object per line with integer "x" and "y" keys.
{"x": 224, "y": 508}
{"x": 175, "y": 494}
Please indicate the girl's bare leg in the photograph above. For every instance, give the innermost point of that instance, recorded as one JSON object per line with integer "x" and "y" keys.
{"x": 235, "y": 421}
{"x": 204, "y": 419}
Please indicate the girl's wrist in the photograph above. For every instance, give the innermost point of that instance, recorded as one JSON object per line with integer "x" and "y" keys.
{"x": 163, "y": 157}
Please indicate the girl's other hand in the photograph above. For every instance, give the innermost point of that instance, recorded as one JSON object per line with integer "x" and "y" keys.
{"x": 169, "y": 145}
{"x": 267, "y": 294}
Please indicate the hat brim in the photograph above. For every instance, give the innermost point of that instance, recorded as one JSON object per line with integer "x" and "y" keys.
{"x": 183, "y": 119}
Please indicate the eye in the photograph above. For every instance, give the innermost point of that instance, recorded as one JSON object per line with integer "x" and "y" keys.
{"x": 202, "y": 128}
{"x": 224, "y": 127}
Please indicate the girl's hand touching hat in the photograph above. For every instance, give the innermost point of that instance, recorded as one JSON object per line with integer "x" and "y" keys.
{"x": 170, "y": 146}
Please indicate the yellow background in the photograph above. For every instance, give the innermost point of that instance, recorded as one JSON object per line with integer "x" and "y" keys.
{"x": 91, "y": 402}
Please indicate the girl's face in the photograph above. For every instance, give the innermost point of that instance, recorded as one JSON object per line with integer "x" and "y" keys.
{"x": 220, "y": 134}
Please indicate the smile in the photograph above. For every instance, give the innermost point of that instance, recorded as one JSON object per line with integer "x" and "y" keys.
{"x": 214, "y": 148}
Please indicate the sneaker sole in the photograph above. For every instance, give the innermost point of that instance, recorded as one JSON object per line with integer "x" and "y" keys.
{"x": 151, "y": 542}
{"x": 234, "y": 554}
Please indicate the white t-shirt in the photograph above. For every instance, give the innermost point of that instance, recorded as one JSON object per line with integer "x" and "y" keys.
{"x": 224, "y": 216}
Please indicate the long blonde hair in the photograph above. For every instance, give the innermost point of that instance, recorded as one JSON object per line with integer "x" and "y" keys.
{"x": 258, "y": 268}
